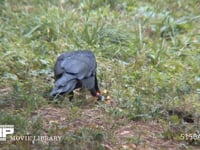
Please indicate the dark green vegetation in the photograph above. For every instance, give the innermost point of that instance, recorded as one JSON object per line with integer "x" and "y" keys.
{"x": 148, "y": 55}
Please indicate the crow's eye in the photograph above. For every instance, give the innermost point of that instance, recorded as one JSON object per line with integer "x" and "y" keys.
{"x": 71, "y": 73}
{"x": 61, "y": 86}
{"x": 58, "y": 76}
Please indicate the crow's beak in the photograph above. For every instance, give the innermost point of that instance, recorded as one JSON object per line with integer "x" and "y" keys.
{"x": 56, "y": 92}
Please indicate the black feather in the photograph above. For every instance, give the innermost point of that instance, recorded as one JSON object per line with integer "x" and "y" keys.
{"x": 73, "y": 70}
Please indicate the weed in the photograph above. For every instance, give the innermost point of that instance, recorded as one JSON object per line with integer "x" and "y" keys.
{"x": 147, "y": 53}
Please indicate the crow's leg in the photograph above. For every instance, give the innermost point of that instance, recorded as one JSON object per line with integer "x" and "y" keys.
{"x": 96, "y": 85}
{"x": 93, "y": 92}
{"x": 71, "y": 96}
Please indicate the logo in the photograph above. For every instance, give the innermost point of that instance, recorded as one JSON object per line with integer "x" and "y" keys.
{"x": 5, "y": 130}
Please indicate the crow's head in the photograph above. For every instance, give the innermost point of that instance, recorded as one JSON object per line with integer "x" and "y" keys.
{"x": 65, "y": 84}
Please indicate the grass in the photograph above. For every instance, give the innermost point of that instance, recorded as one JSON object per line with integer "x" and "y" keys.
{"x": 148, "y": 59}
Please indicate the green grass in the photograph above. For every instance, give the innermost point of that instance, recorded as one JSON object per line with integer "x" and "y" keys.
{"x": 147, "y": 52}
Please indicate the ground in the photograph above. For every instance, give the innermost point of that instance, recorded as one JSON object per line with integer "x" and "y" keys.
{"x": 148, "y": 58}
{"x": 141, "y": 135}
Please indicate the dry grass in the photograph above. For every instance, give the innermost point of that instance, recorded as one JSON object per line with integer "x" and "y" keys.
{"x": 148, "y": 59}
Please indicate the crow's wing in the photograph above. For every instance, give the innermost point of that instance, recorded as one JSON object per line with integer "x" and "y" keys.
{"x": 81, "y": 64}
{"x": 72, "y": 67}
{"x": 88, "y": 83}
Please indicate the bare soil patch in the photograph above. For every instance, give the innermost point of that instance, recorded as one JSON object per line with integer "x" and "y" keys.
{"x": 126, "y": 134}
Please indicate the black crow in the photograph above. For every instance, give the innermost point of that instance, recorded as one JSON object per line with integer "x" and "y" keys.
{"x": 74, "y": 70}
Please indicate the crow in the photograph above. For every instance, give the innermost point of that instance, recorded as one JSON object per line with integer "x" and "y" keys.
{"x": 76, "y": 69}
